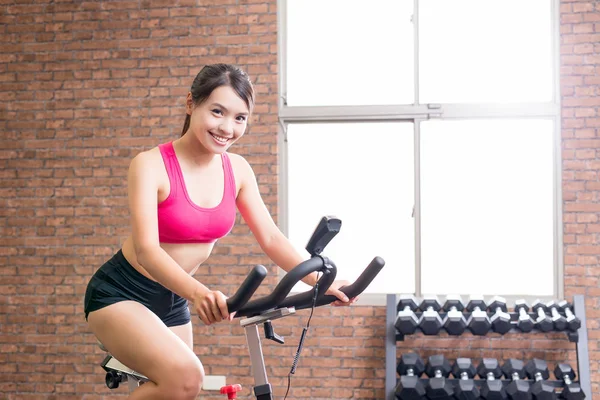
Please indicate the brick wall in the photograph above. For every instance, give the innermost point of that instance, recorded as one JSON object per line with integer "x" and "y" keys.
{"x": 580, "y": 85}
{"x": 84, "y": 86}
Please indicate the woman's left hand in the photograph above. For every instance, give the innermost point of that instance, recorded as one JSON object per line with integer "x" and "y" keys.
{"x": 343, "y": 300}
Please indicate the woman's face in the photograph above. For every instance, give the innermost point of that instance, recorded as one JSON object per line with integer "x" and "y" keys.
{"x": 220, "y": 120}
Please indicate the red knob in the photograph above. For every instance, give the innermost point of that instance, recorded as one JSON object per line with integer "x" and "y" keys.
{"x": 231, "y": 390}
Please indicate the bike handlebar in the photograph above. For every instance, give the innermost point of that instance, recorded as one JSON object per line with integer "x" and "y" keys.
{"x": 286, "y": 284}
{"x": 247, "y": 288}
{"x": 352, "y": 290}
{"x": 279, "y": 297}
{"x": 327, "y": 228}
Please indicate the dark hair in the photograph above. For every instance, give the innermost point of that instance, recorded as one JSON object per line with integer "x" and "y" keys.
{"x": 217, "y": 75}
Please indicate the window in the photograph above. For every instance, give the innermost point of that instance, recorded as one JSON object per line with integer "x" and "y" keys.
{"x": 508, "y": 59}
{"x": 335, "y": 56}
{"x": 362, "y": 173}
{"x": 457, "y": 131}
{"x": 486, "y": 207}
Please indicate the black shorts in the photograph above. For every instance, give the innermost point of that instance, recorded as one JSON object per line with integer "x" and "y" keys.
{"x": 117, "y": 281}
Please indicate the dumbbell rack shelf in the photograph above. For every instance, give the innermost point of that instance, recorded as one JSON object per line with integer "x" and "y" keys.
{"x": 573, "y": 336}
{"x": 580, "y": 338}
{"x": 480, "y": 382}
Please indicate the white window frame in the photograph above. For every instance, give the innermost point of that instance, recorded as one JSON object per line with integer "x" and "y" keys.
{"x": 416, "y": 114}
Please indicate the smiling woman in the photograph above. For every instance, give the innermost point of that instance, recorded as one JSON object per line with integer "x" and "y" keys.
{"x": 183, "y": 197}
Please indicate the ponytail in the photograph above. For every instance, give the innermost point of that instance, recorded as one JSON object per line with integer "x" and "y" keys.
{"x": 186, "y": 124}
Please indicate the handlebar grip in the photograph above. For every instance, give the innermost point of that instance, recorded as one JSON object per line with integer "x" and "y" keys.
{"x": 305, "y": 299}
{"x": 247, "y": 288}
{"x": 357, "y": 287}
{"x": 283, "y": 288}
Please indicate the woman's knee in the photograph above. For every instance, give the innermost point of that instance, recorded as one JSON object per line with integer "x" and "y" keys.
{"x": 184, "y": 380}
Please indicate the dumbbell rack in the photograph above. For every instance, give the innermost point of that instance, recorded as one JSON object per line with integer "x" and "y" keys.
{"x": 580, "y": 338}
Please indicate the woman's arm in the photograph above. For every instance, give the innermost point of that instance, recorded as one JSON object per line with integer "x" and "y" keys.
{"x": 143, "y": 203}
{"x": 270, "y": 238}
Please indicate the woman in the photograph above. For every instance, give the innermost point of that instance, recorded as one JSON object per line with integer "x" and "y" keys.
{"x": 183, "y": 197}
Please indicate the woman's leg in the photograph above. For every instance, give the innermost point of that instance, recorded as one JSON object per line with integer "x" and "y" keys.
{"x": 185, "y": 333}
{"x": 136, "y": 337}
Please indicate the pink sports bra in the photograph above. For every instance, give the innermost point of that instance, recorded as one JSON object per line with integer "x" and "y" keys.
{"x": 182, "y": 221}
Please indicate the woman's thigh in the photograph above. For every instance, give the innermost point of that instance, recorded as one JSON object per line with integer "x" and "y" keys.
{"x": 185, "y": 333}
{"x": 136, "y": 337}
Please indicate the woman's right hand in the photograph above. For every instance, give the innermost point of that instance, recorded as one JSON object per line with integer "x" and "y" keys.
{"x": 211, "y": 306}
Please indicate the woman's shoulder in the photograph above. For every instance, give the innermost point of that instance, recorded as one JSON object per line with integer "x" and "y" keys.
{"x": 150, "y": 158}
{"x": 238, "y": 162}
{"x": 241, "y": 168}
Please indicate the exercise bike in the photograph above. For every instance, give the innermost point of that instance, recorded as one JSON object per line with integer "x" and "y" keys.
{"x": 274, "y": 306}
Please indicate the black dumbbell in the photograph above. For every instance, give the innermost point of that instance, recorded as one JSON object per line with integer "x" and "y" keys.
{"x": 455, "y": 322}
{"x": 543, "y": 322}
{"x": 525, "y": 322}
{"x": 439, "y": 388}
{"x": 573, "y": 322}
{"x": 501, "y": 319}
{"x": 538, "y": 370}
{"x": 464, "y": 370}
{"x": 409, "y": 386}
{"x": 478, "y": 322}
{"x": 517, "y": 389}
{"x": 571, "y": 390}
{"x": 430, "y": 321}
{"x": 407, "y": 321}
{"x": 492, "y": 388}
{"x": 559, "y": 322}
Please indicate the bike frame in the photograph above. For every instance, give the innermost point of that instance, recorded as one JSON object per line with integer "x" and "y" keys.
{"x": 262, "y": 387}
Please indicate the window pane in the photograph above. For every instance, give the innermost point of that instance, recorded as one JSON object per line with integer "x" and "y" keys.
{"x": 343, "y": 53}
{"x": 485, "y": 51}
{"x": 487, "y": 207}
{"x": 362, "y": 173}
